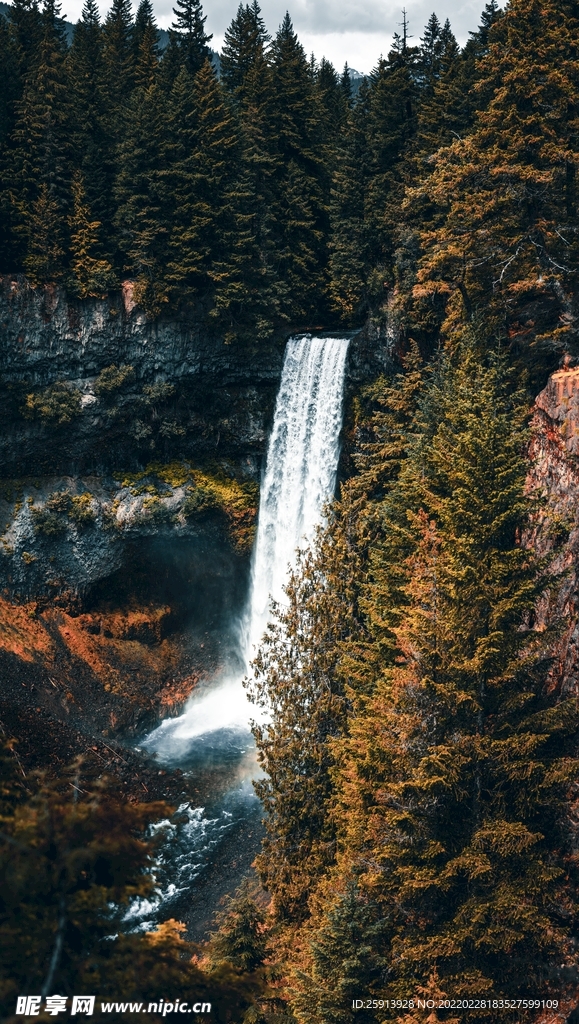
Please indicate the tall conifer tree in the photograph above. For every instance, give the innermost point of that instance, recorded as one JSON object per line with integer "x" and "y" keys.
{"x": 244, "y": 45}
{"x": 249, "y": 291}
{"x": 11, "y": 91}
{"x": 301, "y": 216}
{"x": 350, "y": 262}
{"x": 91, "y": 273}
{"x": 40, "y": 181}
{"x": 146, "y": 43}
{"x": 502, "y": 198}
{"x": 118, "y": 63}
{"x": 92, "y": 145}
{"x": 26, "y": 32}
{"x": 202, "y": 168}
{"x": 188, "y": 41}
{"x": 444, "y": 108}
{"x": 141, "y": 216}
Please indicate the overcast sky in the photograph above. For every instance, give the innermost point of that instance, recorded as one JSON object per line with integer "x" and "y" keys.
{"x": 356, "y": 31}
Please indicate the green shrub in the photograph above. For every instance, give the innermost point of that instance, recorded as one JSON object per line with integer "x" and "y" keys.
{"x": 174, "y": 474}
{"x": 81, "y": 511}
{"x": 49, "y": 520}
{"x": 200, "y": 501}
{"x": 55, "y": 405}
{"x": 141, "y": 430}
{"x": 154, "y": 511}
{"x": 59, "y": 501}
{"x": 159, "y": 392}
{"x": 112, "y": 379}
{"x": 170, "y": 428}
{"x": 48, "y": 523}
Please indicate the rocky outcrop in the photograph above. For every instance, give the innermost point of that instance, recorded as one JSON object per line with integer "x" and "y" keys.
{"x": 92, "y": 395}
{"x": 61, "y": 536}
{"x": 555, "y": 472}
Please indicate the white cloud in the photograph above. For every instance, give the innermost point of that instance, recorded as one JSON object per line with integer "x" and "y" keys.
{"x": 356, "y": 32}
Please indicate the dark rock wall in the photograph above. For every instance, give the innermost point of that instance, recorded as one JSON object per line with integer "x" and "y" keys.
{"x": 220, "y": 401}
{"x": 188, "y": 398}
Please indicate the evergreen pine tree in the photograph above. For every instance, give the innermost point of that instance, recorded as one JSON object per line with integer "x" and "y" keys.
{"x": 40, "y": 154}
{"x": 70, "y": 857}
{"x": 239, "y": 939}
{"x": 73, "y": 855}
{"x": 350, "y": 263}
{"x": 12, "y": 86}
{"x": 302, "y": 182}
{"x": 368, "y": 185}
{"x": 346, "y": 85}
{"x": 187, "y": 42}
{"x": 443, "y": 114}
{"x": 244, "y": 44}
{"x": 429, "y": 56}
{"x": 344, "y": 958}
{"x": 476, "y": 48}
{"x": 500, "y": 201}
{"x": 118, "y": 77}
{"x": 44, "y": 260}
{"x": 330, "y": 97}
{"x": 92, "y": 145}
{"x": 146, "y": 43}
{"x": 26, "y": 33}
{"x": 91, "y": 275}
{"x": 141, "y": 215}
{"x": 391, "y": 125}
{"x": 297, "y": 679}
{"x": 201, "y": 172}
{"x": 247, "y": 297}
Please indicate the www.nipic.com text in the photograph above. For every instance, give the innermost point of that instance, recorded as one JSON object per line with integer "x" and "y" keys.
{"x": 29, "y": 1006}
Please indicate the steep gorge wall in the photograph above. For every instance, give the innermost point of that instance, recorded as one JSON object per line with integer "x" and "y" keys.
{"x": 180, "y": 398}
{"x": 130, "y": 458}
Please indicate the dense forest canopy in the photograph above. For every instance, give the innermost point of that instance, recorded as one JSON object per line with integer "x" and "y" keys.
{"x": 272, "y": 196}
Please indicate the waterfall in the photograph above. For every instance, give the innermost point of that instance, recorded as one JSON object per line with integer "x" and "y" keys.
{"x": 299, "y": 479}
{"x": 300, "y": 475}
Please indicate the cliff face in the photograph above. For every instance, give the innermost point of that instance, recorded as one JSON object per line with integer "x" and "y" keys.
{"x": 130, "y": 456}
{"x": 179, "y": 392}
{"x": 114, "y": 430}
{"x": 555, "y": 471}
{"x": 92, "y": 391}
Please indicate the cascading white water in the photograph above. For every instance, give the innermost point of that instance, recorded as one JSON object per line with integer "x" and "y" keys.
{"x": 301, "y": 468}
{"x": 300, "y": 477}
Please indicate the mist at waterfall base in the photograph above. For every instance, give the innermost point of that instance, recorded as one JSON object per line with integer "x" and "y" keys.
{"x": 212, "y": 741}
